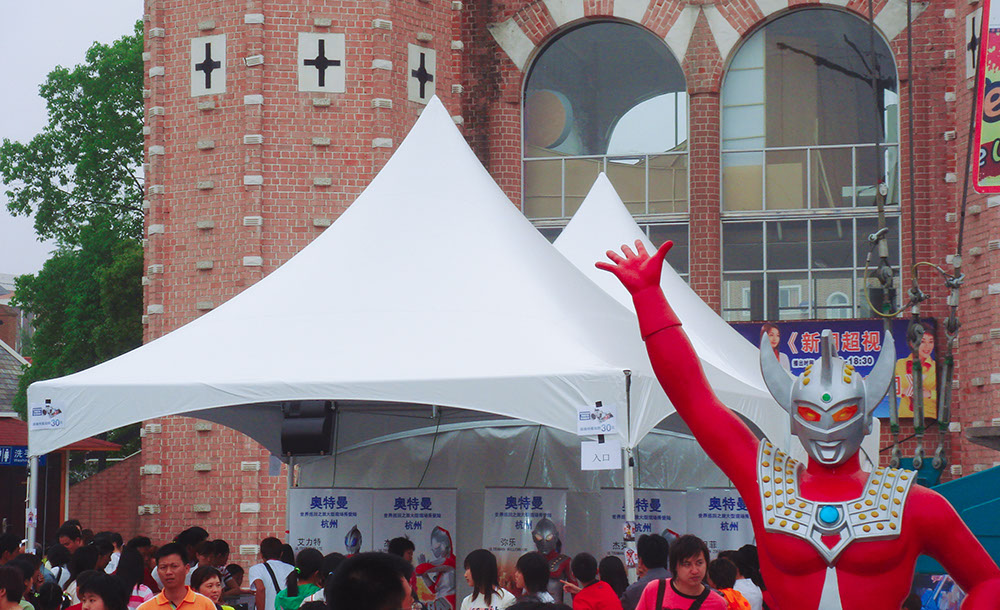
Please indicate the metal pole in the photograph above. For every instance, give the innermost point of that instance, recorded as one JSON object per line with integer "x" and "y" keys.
{"x": 629, "y": 467}
{"x": 288, "y": 498}
{"x": 29, "y": 530}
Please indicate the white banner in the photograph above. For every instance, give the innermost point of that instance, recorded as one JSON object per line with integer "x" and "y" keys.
{"x": 427, "y": 518}
{"x": 595, "y": 455}
{"x": 513, "y": 517}
{"x": 720, "y": 518}
{"x": 331, "y": 520}
{"x": 656, "y": 512}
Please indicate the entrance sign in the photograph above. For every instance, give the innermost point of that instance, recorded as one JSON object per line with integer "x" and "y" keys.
{"x": 601, "y": 456}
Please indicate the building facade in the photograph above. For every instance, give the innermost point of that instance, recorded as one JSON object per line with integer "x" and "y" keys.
{"x": 754, "y": 133}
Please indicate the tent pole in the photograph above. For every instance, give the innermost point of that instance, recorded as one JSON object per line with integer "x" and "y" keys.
{"x": 288, "y": 497}
{"x": 29, "y": 530}
{"x": 629, "y": 467}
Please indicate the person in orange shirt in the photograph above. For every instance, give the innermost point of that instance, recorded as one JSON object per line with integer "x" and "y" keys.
{"x": 722, "y": 577}
{"x": 171, "y": 565}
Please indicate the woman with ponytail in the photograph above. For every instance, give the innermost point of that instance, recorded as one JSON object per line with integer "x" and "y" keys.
{"x": 302, "y": 582}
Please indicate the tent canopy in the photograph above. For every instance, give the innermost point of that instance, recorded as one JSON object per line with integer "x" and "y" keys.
{"x": 432, "y": 288}
{"x": 731, "y": 363}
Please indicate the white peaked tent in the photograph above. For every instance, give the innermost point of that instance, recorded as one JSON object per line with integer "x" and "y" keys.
{"x": 731, "y": 363}
{"x": 431, "y": 289}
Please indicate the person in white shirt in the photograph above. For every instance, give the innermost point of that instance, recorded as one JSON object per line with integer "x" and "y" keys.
{"x": 744, "y": 585}
{"x": 481, "y": 575}
{"x": 268, "y": 577}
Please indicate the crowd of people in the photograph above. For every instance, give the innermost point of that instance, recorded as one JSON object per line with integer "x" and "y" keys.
{"x": 87, "y": 571}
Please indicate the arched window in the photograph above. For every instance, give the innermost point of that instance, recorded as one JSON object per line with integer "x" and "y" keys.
{"x": 808, "y": 134}
{"x": 607, "y": 96}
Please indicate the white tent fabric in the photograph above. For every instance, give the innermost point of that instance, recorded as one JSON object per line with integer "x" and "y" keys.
{"x": 731, "y": 363}
{"x": 432, "y": 288}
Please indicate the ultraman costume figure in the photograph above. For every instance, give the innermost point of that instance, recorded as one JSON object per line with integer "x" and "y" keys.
{"x": 439, "y": 573}
{"x": 352, "y": 541}
{"x": 548, "y": 543}
{"x": 830, "y": 536}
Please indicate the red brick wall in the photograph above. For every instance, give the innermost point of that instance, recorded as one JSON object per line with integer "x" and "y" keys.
{"x": 490, "y": 105}
{"x": 109, "y": 499}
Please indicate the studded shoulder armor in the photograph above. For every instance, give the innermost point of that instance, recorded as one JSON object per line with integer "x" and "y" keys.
{"x": 876, "y": 515}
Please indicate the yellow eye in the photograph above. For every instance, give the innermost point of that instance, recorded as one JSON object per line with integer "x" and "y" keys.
{"x": 808, "y": 414}
{"x": 846, "y": 413}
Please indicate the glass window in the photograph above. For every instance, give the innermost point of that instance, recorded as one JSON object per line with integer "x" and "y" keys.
{"x": 806, "y": 140}
{"x": 605, "y": 96}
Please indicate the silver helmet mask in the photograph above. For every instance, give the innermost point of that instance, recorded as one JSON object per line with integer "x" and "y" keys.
{"x": 546, "y": 536}
{"x": 830, "y": 405}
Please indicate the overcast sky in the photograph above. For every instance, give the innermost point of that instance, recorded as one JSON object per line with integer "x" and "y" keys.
{"x": 35, "y": 37}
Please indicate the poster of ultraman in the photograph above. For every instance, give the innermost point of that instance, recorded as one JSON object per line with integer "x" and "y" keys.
{"x": 656, "y": 512}
{"x": 330, "y": 520}
{"x": 427, "y": 518}
{"x": 517, "y": 521}
{"x": 720, "y": 518}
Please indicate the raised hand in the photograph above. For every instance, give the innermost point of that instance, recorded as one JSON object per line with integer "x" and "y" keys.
{"x": 637, "y": 270}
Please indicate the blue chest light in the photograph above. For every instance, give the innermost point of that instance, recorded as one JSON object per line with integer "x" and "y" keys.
{"x": 829, "y": 515}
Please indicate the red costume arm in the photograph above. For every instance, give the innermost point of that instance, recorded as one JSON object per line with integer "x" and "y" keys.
{"x": 720, "y": 432}
{"x": 946, "y": 538}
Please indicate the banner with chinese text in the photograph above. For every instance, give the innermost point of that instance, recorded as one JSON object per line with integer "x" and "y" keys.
{"x": 510, "y": 515}
{"x": 720, "y": 518}
{"x": 427, "y": 518}
{"x": 656, "y": 512}
{"x": 987, "y": 168}
{"x": 796, "y": 345}
{"x": 331, "y": 520}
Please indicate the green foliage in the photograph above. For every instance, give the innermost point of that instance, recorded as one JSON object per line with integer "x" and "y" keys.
{"x": 87, "y": 306}
{"x": 84, "y": 166}
{"x": 80, "y": 180}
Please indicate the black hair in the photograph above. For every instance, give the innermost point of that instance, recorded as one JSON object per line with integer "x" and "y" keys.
{"x": 203, "y": 574}
{"x": 114, "y": 537}
{"x": 50, "y": 597}
{"x": 235, "y": 570}
{"x": 205, "y": 547}
{"x": 131, "y": 568}
{"x": 107, "y": 587}
{"x": 399, "y": 546}
{"x": 24, "y": 567}
{"x": 12, "y": 582}
{"x": 287, "y": 554}
{"x": 369, "y": 581}
{"x": 70, "y": 531}
{"x": 191, "y": 536}
{"x": 140, "y": 542}
{"x": 653, "y": 550}
{"x": 535, "y": 570}
{"x": 171, "y": 548}
{"x": 270, "y": 548}
{"x": 9, "y": 543}
{"x": 584, "y": 567}
{"x": 220, "y": 547}
{"x": 482, "y": 566}
{"x": 104, "y": 546}
{"x": 33, "y": 560}
{"x": 58, "y": 555}
{"x": 83, "y": 559}
{"x": 612, "y": 571}
{"x": 748, "y": 557}
{"x": 74, "y": 522}
{"x": 686, "y": 547}
{"x": 314, "y": 605}
{"x": 722, "y": 573}
{"x": 309, "y": 562}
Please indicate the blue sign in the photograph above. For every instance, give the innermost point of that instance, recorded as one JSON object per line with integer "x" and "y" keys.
{"x": 796, "y": 344}
{"x": 16, "y": 455}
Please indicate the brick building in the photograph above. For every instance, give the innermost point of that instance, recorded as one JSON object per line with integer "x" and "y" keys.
{"x": 751, "y": 132}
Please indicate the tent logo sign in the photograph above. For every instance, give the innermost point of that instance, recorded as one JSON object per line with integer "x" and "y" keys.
{"x": 46, "y": 417}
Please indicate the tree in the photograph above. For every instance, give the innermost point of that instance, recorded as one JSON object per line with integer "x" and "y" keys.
{"x": 80, "y": 180}
{"x": 83, "y": 167}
